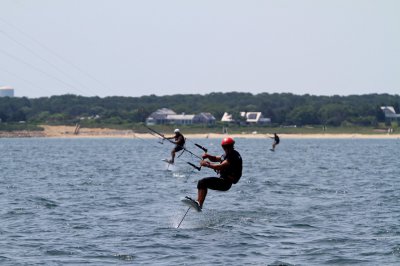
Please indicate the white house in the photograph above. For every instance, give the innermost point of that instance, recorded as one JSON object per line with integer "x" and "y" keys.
{"x": 255, "y": 118}
{"x": 227, "y": 118}
{"x": 389, "y": 112}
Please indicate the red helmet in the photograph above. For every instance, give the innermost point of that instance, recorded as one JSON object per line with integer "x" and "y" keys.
{"x": 227, "y": 141}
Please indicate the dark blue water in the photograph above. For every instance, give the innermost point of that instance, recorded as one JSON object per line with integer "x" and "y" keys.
{"x": 113, "y": 202}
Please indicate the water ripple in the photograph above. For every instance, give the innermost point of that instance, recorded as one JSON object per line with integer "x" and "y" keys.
{"x": 112, "y": 201}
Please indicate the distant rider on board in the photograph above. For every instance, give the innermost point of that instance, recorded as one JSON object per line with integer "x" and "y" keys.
{"x": 276, "y": 141}
{"x": 179, "y": 141}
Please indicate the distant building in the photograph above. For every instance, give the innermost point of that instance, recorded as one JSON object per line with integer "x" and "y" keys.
{"x": 204, "y": 118}
{"x": 6, "y": 91}
{"x": 247, "y": 118}
{"x": 167, "y": 116}
{"x": 159, "y": 117}
{"x": 255, "y": 118}
{"x": 227, "y": 118}
{"x": 390, "y": 113}
{"x": 181, "y": 119}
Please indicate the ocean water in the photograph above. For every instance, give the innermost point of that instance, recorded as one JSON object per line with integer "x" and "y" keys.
{"x": 114, "y": 202}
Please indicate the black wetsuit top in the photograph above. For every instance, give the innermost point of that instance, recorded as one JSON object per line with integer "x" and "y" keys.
{"x": 180, "y": 142}
{"x": 234, "y": 170}
{"x": 228, "y": 176}
{"x": 276, "y": 139}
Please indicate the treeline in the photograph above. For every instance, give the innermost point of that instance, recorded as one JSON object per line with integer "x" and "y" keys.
{"x": 282, "y": 108}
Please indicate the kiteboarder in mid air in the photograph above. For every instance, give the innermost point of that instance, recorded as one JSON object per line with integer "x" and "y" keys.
{"x": 229, "y": 167}
{"x": 179, "y": 141}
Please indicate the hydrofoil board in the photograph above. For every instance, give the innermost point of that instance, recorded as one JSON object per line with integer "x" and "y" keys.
{"x": 191, "y": 203}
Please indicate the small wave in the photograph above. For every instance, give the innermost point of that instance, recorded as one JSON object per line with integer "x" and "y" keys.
{"x": 396, "y": 251}
{"x": 124, "y": 257}
{"x": 299, "y": 225}
{"x": 280, "y": 263}
{"x": 40, "y": 201}
{"x": 346, "y": 261}
{"x": 17, "y": 211}
{"x": 81, "y": 226}
{"x": 179, "y": 175}
{"x": 351, "y": 168}
{"x": 56, "y": 252}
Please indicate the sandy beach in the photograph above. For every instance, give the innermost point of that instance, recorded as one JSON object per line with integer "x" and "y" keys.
{"x": 68, "y": 132}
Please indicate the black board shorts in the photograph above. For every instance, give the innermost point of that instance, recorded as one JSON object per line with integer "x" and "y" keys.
{"x": 215, "y": 183}
{"x": 178, "y": 148}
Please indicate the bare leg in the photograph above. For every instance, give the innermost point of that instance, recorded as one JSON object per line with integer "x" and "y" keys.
{"x": 201, "y": 196}
{"x": 173, "y": 156}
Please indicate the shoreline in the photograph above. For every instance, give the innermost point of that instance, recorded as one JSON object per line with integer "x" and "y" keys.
{"x": 68, "y": 132}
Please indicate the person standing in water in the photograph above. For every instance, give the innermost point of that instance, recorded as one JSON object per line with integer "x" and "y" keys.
{"x": 179, "y": 141}
{"x": 229, "y": 167}
{"x": 276, "y": 141}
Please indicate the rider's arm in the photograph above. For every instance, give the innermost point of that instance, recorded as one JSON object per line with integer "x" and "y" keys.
{"x": 212, "y": 158}
{"x": 217, "y": 167}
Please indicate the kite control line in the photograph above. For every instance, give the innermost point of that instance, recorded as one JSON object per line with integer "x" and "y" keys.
{"x": 183, "y": 217}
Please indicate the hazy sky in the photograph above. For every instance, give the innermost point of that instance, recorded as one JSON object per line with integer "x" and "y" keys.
{"x": 135, "y": 48}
